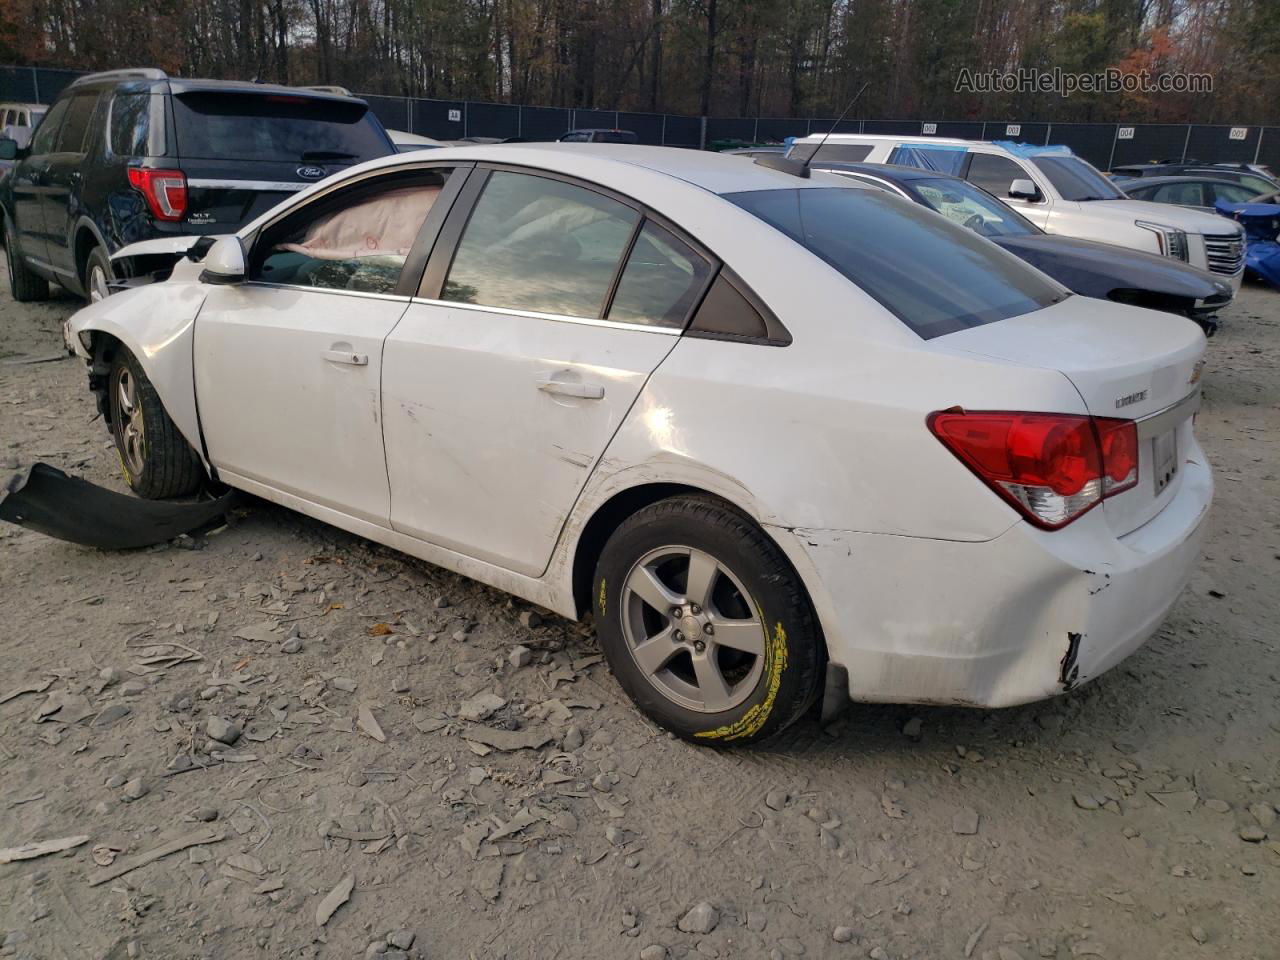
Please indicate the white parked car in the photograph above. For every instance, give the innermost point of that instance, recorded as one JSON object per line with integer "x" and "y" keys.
{"x": 766, "y": 429}
{"x": 1060, "y": 193}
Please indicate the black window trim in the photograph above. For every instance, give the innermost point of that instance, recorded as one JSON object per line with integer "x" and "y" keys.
{"x": 446, "y": 247}
{"x": 416, "y": 260}
{"x": 776, "y": 335}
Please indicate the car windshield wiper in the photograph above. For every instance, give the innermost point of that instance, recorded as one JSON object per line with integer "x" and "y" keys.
{"x": 310, "y": 155}
{"x": 1083, "y": 199}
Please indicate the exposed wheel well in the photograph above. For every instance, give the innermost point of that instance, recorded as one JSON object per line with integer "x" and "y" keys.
{"x": 610, "y": 515}
{"x": 85, "y": 242}
{"x": 102, "y": 347}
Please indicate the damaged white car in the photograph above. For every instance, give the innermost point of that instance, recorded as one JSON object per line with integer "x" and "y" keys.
{"x": 769, "y": 428}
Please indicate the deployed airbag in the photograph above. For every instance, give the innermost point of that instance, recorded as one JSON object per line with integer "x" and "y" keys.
{"x": 44, "y": 499}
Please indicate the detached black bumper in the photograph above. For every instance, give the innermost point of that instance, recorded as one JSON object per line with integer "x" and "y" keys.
{"x": 44, "y": 499}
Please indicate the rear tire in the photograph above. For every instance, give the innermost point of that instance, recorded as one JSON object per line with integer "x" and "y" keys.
{"x": 25, "y": 285}
{"x": 156, "y": 459}
{"x": 705, "y": 624}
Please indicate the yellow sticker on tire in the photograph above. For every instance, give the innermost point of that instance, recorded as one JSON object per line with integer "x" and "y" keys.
{"x": 602, "y": 605}
{"x": 751, "y": 722}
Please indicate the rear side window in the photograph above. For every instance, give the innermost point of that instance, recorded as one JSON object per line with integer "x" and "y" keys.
{"x": 76, "y": 123}
{"x": 1184, "y": 194}
{"x": 130, "y": 124}
{"x": 542, "y": 245}
{"x": 662, "y": 280}
{"x": 934, "y": 276}
{"x": 848, "y": 152}
{"x": 1233, "y": 193}
{"x": 255, "y": 126}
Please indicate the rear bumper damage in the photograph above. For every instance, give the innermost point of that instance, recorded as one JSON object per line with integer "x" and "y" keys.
{"x": 1023, "y": 617}
{"x": 44, "y": 499}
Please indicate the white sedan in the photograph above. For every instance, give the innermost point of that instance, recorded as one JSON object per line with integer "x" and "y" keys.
{"x": 771, "y": 430}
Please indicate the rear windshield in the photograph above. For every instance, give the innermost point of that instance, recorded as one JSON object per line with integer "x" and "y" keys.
{"x": 1075, "y": 179}
{"x": 934, "y": 276}
{"x": 615, "y": 136}
{"x": 258, "y": 126}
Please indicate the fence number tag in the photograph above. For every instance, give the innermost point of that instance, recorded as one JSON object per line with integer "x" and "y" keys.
{"x": 1124, "y": 133}
{"x": 455, "y": 116}
{"x": 1013, "y": 130}
{"x": 928, "y": 128}
{"x": 1239, "y": 133}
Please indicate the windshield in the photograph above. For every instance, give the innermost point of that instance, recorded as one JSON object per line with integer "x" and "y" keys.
{"x": 615, "y": 136}
{"x": 971, "y": 207}
{"x": 1076, "y": 180}
{"x": 258, "y": 126}
{"x": 934, "y": 276}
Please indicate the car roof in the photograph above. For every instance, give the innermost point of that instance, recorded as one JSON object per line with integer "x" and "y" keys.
{"x": 710, "y": 171}
{"x": 886, "y": 171}
{"x": 905, "y": 138}
{"x": 182, "y": 85}
{"x": 147, "y": 76}
{"x": 19, "y": 105}
{"x": 1159, "y": 181}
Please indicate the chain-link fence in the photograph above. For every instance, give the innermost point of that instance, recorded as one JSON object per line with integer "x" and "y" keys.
{"x": 1103, "y": 144}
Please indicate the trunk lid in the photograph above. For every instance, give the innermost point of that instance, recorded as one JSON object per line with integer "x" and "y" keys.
{"x": 1126, "y": 363}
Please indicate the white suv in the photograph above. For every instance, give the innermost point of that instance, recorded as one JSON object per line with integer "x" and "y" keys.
{"x": 1058, "y": 192}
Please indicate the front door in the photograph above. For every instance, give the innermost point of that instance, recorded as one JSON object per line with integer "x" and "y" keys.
{"x": 288, "y": 365}
{"x": 995, "y": 174}
{"x": 29, "y": 187}
{"x": 502, "y": 388}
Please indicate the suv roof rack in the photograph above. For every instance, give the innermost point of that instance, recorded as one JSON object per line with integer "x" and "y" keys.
{"x": 135, "y": 73}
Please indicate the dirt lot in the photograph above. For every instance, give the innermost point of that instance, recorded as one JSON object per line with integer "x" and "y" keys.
{"x": 1126, "y": 820}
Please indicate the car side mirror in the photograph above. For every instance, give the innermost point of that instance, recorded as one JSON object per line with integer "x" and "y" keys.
{"x": 8, "y": 148}
{"x": 1024, "y": 189}
{"x": 224, "y": 263}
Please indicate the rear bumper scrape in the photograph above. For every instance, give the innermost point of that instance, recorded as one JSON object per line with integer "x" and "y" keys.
{"x": 44, "y": 499}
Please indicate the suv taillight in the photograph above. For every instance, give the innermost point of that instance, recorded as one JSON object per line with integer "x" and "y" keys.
{"x": 1051, "y": 467}
{"x": 165, "y": 190}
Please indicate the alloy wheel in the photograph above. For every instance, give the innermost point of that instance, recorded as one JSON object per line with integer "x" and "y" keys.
{"x": 132, "y": 426}
{"x": 98, "y": 288}
{"x": 693, "y": 629}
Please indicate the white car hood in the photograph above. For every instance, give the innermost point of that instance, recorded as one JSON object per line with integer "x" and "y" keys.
{"x": 1165, "y": 214}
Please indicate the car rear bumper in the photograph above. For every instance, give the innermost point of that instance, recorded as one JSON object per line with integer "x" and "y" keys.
{"x": 1022, "y": 617}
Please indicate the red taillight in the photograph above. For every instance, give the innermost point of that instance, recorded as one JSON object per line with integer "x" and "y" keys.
{"x": 1051, "y": 467}
{"x": 165, "y": 190}
{"x": 1118, "y": 440}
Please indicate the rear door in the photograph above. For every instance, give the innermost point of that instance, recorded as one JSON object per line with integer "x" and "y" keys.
{"x": 535, "y": 332}
{"x": 64, "y": 178}
{"x": 244, "y": 152}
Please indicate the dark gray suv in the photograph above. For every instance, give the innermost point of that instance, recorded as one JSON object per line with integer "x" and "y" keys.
{"x": 132, "y": 155}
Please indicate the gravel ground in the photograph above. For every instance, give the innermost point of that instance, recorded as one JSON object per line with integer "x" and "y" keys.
{"x": 292, "y": 704}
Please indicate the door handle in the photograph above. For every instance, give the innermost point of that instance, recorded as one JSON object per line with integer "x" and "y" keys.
{"x": 569, "y": 388}
{"x": 345, "y": 356}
